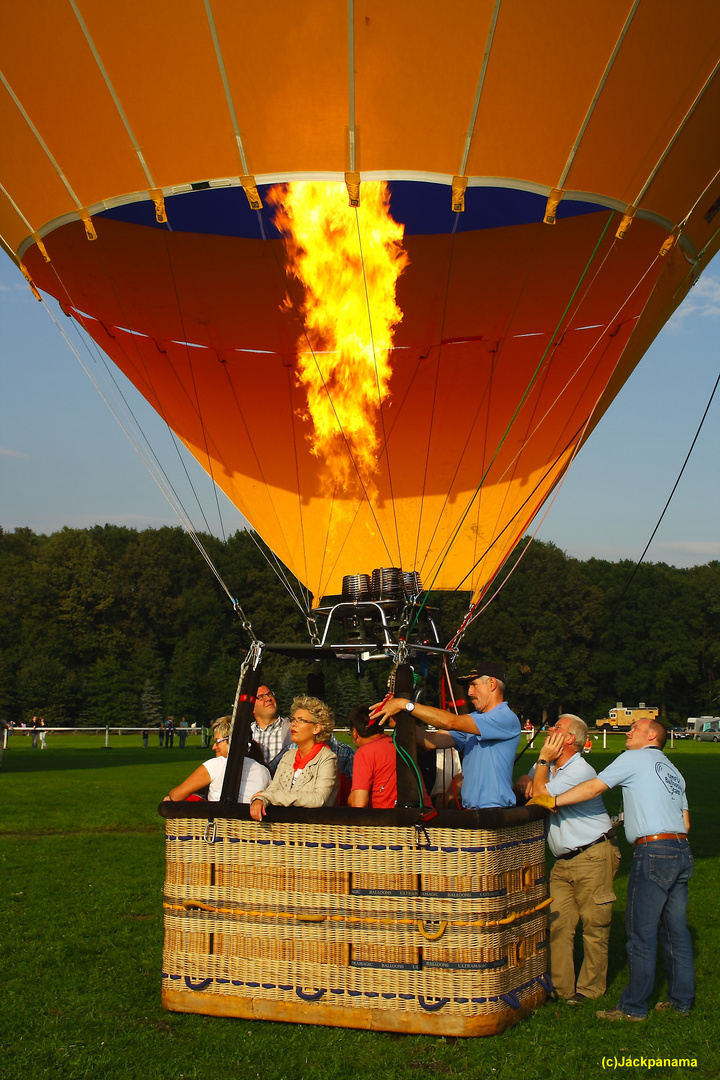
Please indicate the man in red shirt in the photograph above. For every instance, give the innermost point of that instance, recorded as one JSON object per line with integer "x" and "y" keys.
{"x": 374, "y": 781}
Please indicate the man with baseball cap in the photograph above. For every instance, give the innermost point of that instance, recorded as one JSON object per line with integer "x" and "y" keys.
{"x": 488, "y": 737}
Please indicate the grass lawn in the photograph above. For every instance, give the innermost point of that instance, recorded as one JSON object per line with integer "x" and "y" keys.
{"x": 81, "y": 880}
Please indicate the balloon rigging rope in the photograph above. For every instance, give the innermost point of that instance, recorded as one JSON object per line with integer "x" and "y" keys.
{"x": 275, "y": 565}
{"x": 194, "y": 385}
{"x": 153, "y": 468}
{"x": 435, "y": 393}
{"x": 156, "y": 471}
{"x": 519, "y": 406}
{"x": 682, "y": 470}
{"x": 557, "y": 398}
{"x": 471, "y": 426}
{"x": 475, "y": 611}
{"x": 281, "y": 576}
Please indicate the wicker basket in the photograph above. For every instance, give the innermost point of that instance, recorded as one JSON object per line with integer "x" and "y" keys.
{"x": 386, "y": 927}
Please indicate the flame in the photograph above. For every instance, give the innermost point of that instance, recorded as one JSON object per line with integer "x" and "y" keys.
{"x": 348, "y": 260}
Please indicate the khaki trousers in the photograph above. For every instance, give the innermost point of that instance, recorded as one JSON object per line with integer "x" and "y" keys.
{"x": 582, "y": 890}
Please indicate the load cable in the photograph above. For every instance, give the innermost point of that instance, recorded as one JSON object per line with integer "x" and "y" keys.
{"x": 674, "y": 488}
{"x": 523, "y": 399}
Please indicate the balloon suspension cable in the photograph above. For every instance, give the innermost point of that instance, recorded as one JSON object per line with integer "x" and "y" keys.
{"x": 448, "y": 681}
{"x": 125, "y": 418}
{"x": 251, "y": 662}
{"x": 516, "y": 413}
{"x": 246, "y": 624}
{"x": 475, "y": 610}
{"x": 682, "y": 470}
{"x": 528, "y": 745}
{"x": 312, "y": 628}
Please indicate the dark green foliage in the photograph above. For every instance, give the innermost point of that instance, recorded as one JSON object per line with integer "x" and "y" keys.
{"x": 113, "y": 626}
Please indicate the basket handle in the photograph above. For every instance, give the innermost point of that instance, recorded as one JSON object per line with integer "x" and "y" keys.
{"x": 436, "y": 1005}
{"x": 309, "y": 997}
{"x": 431, "y": 937}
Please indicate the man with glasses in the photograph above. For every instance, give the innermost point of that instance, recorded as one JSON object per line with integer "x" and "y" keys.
{"x": 270, "y": 731}
{"x": 587, "y": 859}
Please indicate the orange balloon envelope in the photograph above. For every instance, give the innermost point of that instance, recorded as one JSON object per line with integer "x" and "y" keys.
{"x": 400, "y": 390}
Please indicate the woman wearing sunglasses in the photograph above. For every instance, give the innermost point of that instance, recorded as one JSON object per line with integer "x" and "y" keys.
{"x": 212, "y": 772}
{"x": 308, "y": 775}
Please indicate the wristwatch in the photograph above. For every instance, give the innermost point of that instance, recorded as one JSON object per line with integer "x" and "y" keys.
{"x": 542, "y": 761}
{"x": 410, "y": 707}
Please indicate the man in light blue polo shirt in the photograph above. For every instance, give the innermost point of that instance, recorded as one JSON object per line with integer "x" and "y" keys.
{"x": 656, "y": 822}
{"x": 586, "y": 862}
{"x": 488, "y": 738}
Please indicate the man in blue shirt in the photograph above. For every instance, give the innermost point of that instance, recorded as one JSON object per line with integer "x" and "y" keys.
{"x": 656, "y": 822}
{"x": 586, "y": 862}
{"x": 487, "y": 738}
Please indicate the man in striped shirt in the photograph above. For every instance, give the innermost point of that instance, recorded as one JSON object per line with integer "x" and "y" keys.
{"x": 270, "y": 731}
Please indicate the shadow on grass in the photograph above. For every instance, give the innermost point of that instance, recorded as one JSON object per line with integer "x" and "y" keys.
{"x": 103, "y": 758}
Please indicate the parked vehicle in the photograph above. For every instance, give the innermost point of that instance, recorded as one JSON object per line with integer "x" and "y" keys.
{"x": 622, "y": 716}
{"x": 705, "y": 728}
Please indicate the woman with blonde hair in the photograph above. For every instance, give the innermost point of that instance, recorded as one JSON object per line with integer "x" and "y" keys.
{"x": 212, "y": 772}
{"x": 308, "y": 775}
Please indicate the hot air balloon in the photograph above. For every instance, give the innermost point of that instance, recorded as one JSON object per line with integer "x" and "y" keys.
{"x": 507, "y": 203}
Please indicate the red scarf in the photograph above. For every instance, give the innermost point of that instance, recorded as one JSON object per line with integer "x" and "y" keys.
{"x": 301, "y": 762}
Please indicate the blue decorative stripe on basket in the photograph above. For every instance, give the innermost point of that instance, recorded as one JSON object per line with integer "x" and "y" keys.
{"x": 510, "y": 998}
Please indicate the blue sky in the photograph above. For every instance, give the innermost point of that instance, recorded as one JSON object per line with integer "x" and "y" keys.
{"x": 65, "y": 461}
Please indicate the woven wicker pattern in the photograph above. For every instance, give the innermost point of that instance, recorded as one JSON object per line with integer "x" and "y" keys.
{"x": 451, "y": 920}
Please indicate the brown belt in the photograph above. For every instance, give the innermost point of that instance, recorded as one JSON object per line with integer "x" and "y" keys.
{"x": 661, "y": 836}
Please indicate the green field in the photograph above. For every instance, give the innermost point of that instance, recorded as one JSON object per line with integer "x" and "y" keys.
{"x": 82, "y": 858}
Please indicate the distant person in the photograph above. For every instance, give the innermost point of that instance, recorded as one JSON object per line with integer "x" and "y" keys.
{"x": 587, "y": 859}
{"x": 35, "y": 732}
{"x": 183, "y": 732}
{"x": 270, "y": 731}
{"x": 488, "y": 738}
{"x": 212, "y": 773}
{"x": 307, "y": 776}
{"x": 169, "y": 732}
{"x": 375, "y": 764}
{"x": 657, "y": 822}
{"x": 5, "y": 728}
{"x": 145, "y": 737}
{"x": 42, "y": 733}
{"x": 161, "y": 735}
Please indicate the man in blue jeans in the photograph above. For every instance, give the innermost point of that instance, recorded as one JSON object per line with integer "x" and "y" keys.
{"x": 656, "y": 822}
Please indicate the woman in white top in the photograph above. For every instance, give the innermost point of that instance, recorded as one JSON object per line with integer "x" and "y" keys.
{"x": 212, "y": 772}
{"x": 308, "y": 775}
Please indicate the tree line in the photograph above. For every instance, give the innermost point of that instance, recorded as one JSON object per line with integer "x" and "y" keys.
{"x": 109, "y": 625}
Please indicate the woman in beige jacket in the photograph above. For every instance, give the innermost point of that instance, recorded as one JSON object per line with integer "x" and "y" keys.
{"x": 308, "y": 775}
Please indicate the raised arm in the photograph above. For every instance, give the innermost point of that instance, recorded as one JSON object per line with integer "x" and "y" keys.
{"x": 437, "y": 718}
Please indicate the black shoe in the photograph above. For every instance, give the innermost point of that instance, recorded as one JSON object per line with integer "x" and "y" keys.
{"x": 576, "y": 999}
